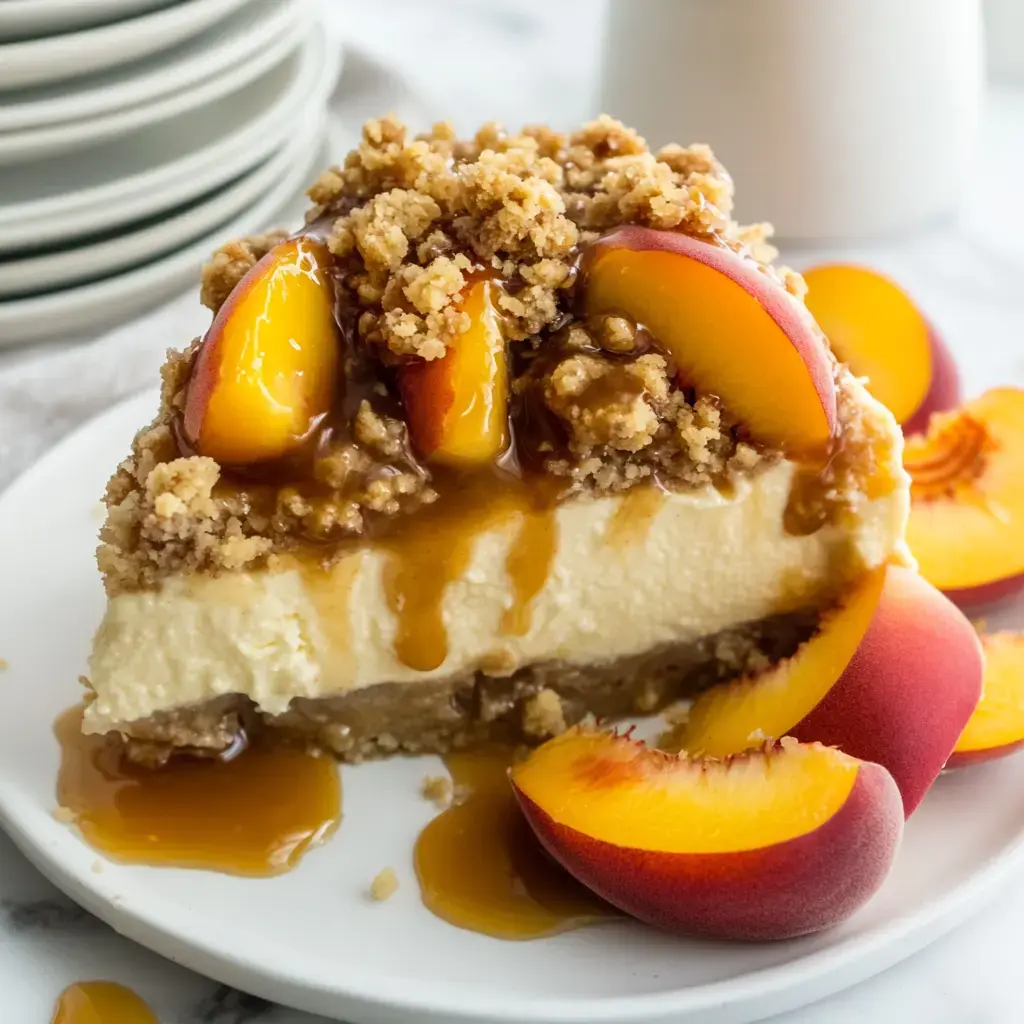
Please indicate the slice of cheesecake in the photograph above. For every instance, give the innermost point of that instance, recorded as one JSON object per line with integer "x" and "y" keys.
{"x": 516, "y": 430}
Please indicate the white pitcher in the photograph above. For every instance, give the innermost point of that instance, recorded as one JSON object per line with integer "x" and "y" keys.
{"x": 839, "y": 119}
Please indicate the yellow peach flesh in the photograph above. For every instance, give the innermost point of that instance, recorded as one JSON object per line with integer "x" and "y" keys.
{"x": 734, "y": 717}
{"x": 623, "y": 793}
{"x": 457, "y": 406}
{"x": 998, "y": 720}
{"x": 710, "y": 311}
{"x": 966, "y": 526}
{"x": 265, "y": 373}
{"x": 874, "y": 328}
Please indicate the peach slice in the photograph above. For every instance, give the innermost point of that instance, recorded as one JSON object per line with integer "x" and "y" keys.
{"x": 265, "y": 372}
{"x": 892, "y": 676}
{"x": 966, "y": 526}
{"x": 773, "y": 844}
{"x": 880, "y": 334}
{"x": 457, "y": 406}
{"x": 731, "y": 329}
{"x": 997, "y": 726}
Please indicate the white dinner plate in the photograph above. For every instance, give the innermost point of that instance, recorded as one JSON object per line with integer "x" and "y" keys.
{"x": 60, "y": 57}
{"x": 27, "y": 19}
{"x": 157, "y": 169}
{"x": 289, "y": 30}
{"x": 312, "y": 939}
{"x": 89, "y": 306}
{"x": 36, "y": 274}
{"x": 223, "y": 46}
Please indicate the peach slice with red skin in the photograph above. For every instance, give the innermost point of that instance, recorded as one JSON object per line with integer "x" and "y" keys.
{"x": 997, "y": 726}
{"x": 457, "y": 406}
{"x": 876, "y": 329}
{"x": 731, "y": 329}
{"x": 772, "y": 844}
{"x": 265, "y": 372}
{"x": 966, "y": 526}
{"x": 892, "y": 676}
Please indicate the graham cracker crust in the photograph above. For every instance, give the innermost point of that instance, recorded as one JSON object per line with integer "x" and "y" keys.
{"x": 473, "y": 709}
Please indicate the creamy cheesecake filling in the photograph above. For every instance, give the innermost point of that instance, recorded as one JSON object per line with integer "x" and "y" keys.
{"x": 624, "y": 575}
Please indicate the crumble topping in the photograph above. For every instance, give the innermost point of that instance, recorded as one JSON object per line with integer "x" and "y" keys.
{"x": 439, "y": 790}
{"x": 384, "y": 885}
{"x": 410, "y": 222}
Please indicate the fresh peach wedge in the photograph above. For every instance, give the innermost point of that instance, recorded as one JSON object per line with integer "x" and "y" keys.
{"x": 997, "y": 726}
{"x": 966, "y": 526}
{"x": 457, "y": 406}
{"x": 265, "y": 372}
{"x": 876, "y": 329}
{"x": 731, "y": 329}
{"x": 892, "y": 676}
{"x": 772, "y": 844}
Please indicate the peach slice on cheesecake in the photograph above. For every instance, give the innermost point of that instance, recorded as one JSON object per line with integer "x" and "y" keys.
{"x": 730, "y": 328}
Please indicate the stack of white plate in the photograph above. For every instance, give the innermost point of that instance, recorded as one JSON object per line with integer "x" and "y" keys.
{"x": 136, "y": 136}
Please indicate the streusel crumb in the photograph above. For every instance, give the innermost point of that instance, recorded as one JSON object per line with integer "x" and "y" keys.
{"x": 543, "y": 715}
{"x": 438, "y": 789}
{"x": 384, "y": 885}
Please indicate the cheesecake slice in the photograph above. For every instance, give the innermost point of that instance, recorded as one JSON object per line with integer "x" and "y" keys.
{"x": 515, "y": 430}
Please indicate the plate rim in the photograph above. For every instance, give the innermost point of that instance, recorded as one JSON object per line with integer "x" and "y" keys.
{"x": 136, "y": 37}
{"x": 818, "y": 973}
{"x": 291, "y": 26}
{"x": 253, "y": 185}
{"x": 317, "y": 66}
{"x": 16, "y": 15}
{"x": 141, "y": 280}
{"x": 185, "y": 72}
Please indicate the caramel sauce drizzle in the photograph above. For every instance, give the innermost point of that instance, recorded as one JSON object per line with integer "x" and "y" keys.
{"x": 101, "y": 1002}
{"x": 633, "y": 517}
{"x": 254, "y": 814}
{"x": 481, "y": 868}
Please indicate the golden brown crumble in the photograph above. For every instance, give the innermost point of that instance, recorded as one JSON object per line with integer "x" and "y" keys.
{"x": 410, "y": 220}
{"x": 543, "y": 716}
{"x": 439, "y": 790}
{"x": 384, "y": 885}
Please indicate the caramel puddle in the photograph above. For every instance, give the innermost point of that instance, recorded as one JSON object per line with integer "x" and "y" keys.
{"x": 256, "y": 814}
{"x": 101, "y": 1002}
{"x": 481, "y": 868}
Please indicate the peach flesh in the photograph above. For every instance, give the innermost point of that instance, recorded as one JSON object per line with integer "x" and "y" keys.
{"x": 265, "y": 372}
{"x": 457, "y": 406}
{"x": 875, "y": 328}
{"x": 996, "y": 728}
{"x": 689, "y": 292}
{"x": 770, "y": 845}
{"x": 901, "y": 698}
{"x": 966, "y": 526}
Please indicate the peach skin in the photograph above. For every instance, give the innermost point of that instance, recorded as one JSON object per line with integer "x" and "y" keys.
{"x": 966, "y": 526}
{"x": 892, "y": 676}
{"x": 880, "y": 334}
{"x": 457, "y": 406}
{"x": 731, "y": 329}
{"x": 775, "y": 843}
{"x": 997, "y": 726}
{"x": 265, "y": 372}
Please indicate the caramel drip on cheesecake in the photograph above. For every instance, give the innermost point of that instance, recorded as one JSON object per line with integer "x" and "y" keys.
{"x": 634, "y": 515}
{"x": 434, "y": 549}
{"x": 480, "y": 867}
{"x": 254, "y": 814}
{"x": 101, "y": 1002}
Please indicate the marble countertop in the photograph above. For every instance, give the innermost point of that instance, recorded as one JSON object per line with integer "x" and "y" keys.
{"x": 967, "y": 275}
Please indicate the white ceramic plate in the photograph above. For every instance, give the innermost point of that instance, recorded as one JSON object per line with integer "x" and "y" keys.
{"x": 26, "y": 19}
{"x": 89, "y": 306}
{"x": 60, "y": 57}
{"x": 163, "y": 167}
{"x": 312, "y": 939}
{"x": 227, "y": 45}
{"x": 92, "y": 262}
